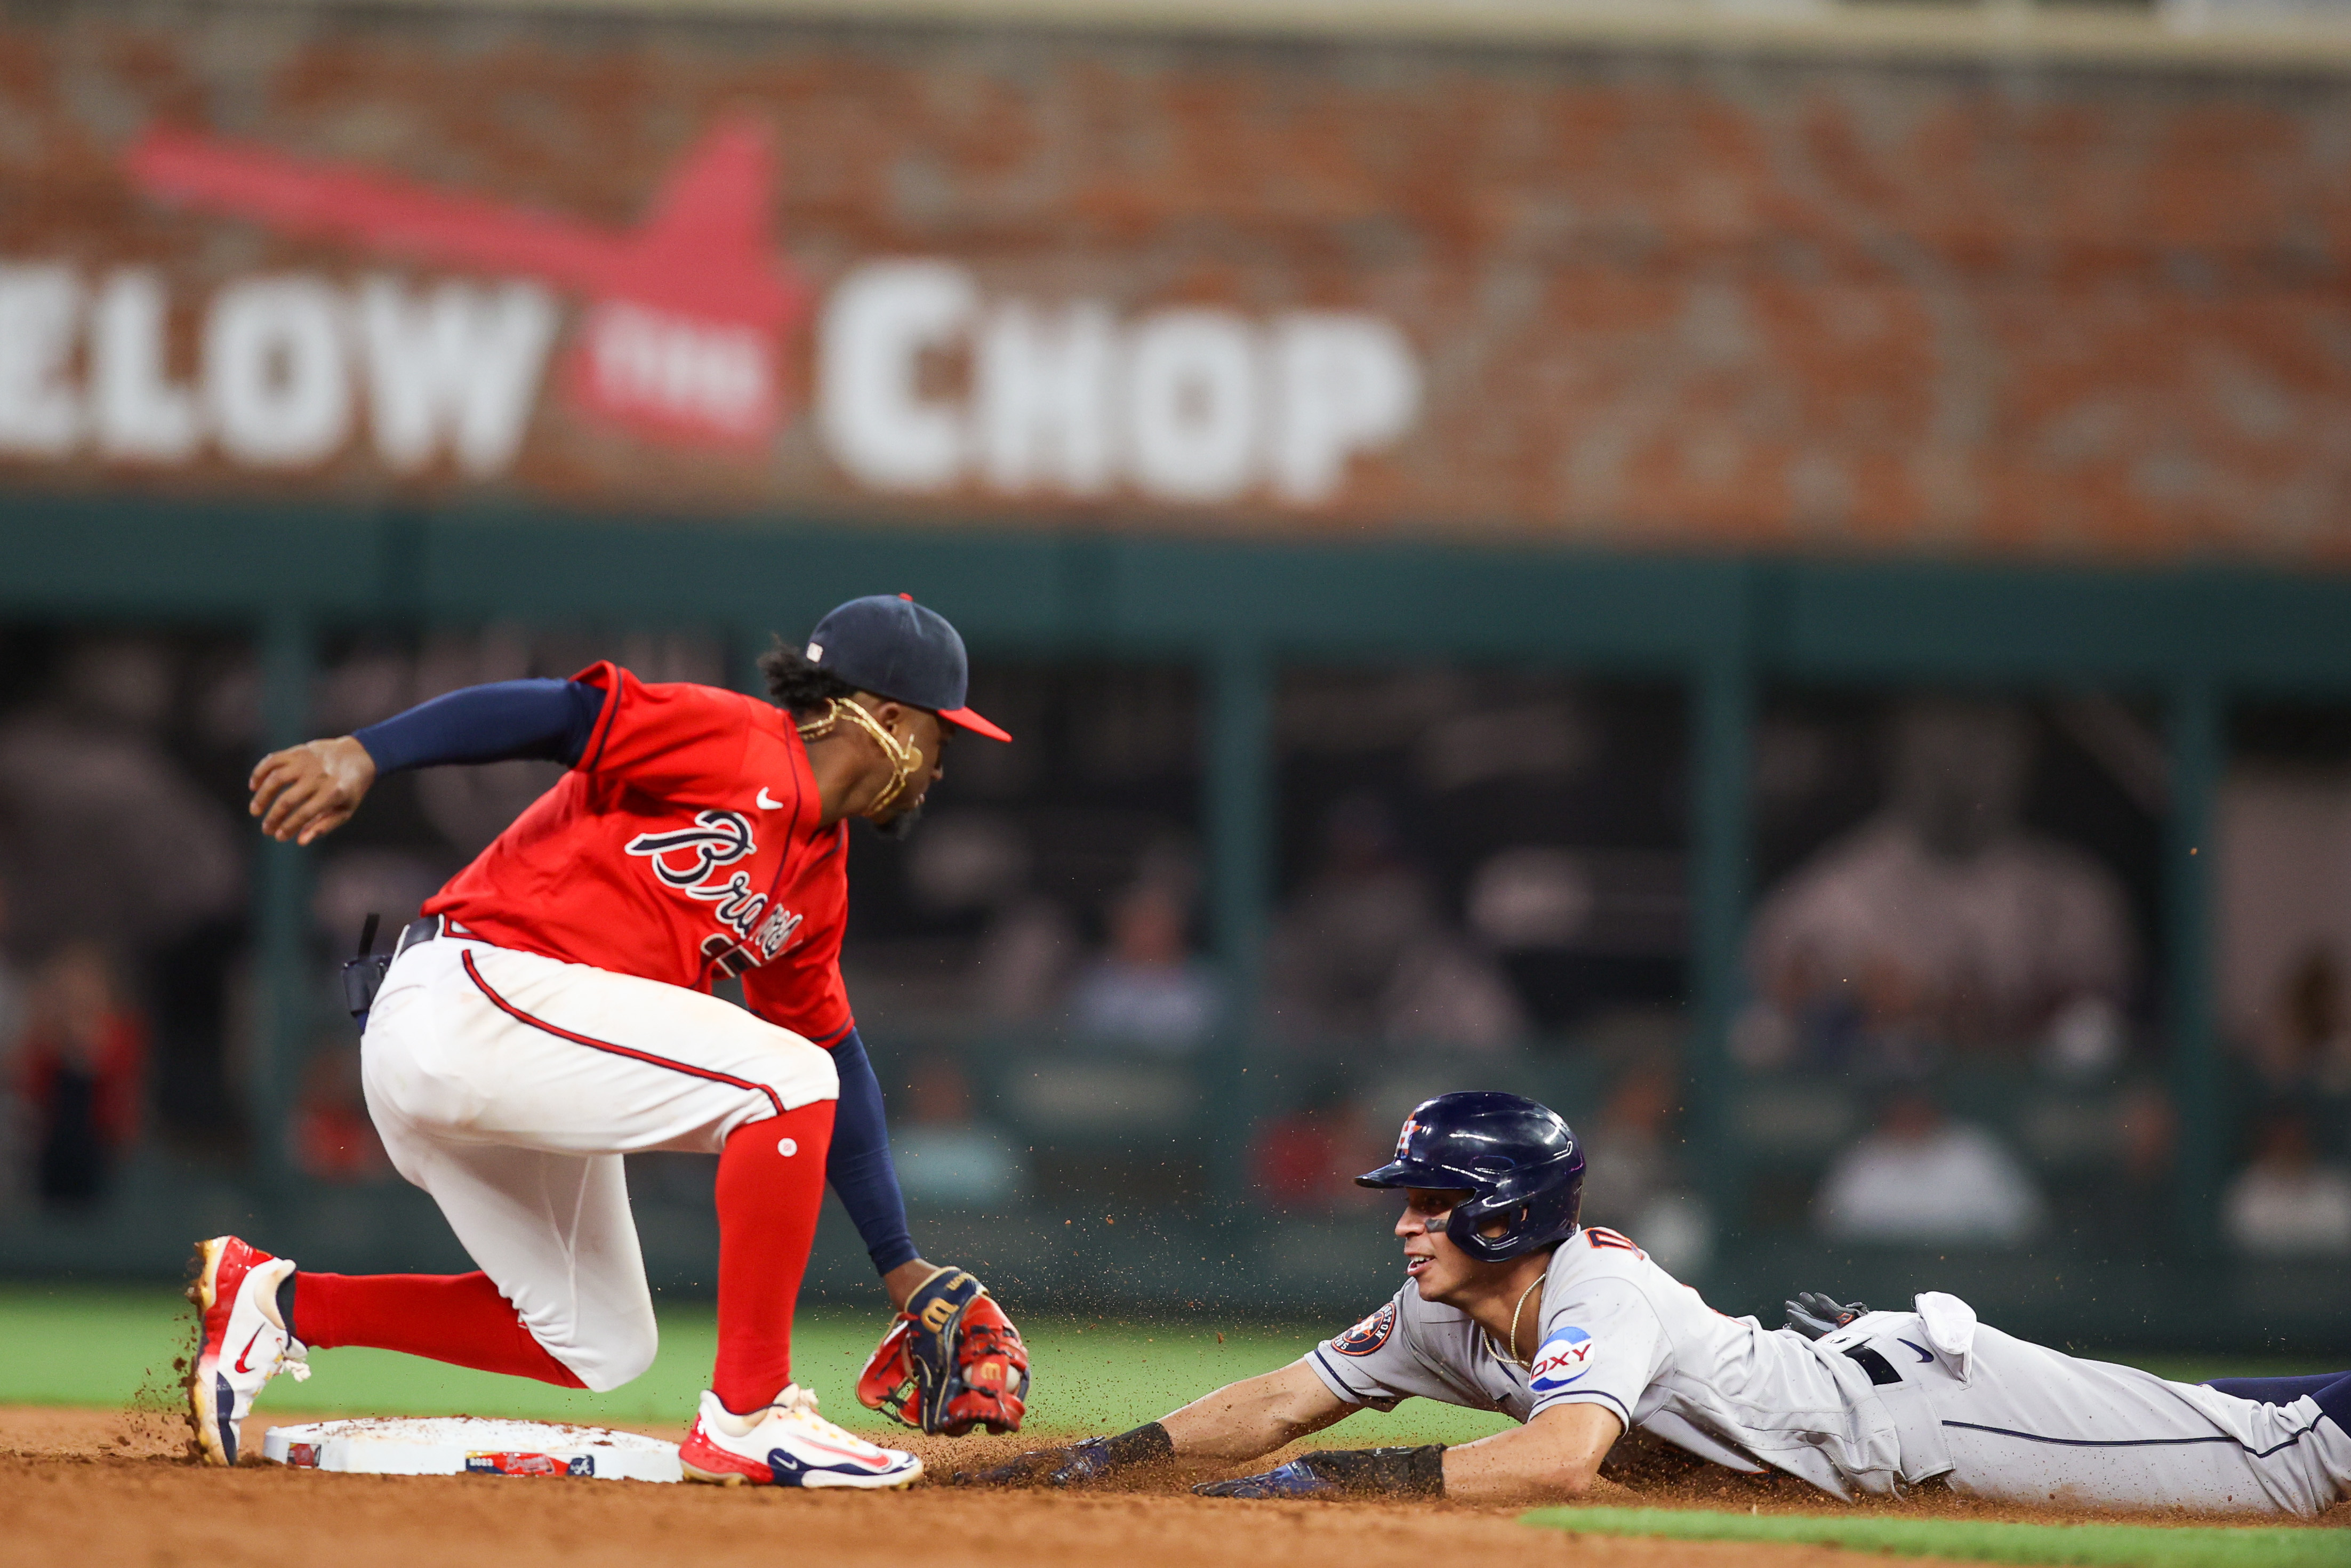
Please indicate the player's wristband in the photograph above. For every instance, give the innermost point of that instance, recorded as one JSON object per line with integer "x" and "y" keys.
{"x": 1144, "y": 1446}
{"x": 1095, "y": 1457}
{"x": 1089, "y": 1459}
{"x": 1419, "y": 1471}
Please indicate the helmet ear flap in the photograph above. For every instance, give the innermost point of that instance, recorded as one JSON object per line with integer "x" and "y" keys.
{"x": 1466, "y": 1228}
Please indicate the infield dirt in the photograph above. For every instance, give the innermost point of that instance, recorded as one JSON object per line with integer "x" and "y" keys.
{"x": 84, "y": 1486}
{"x": 98, "y": 1487}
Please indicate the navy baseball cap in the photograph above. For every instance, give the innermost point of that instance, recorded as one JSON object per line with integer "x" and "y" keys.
{"x": 888, "y": 644}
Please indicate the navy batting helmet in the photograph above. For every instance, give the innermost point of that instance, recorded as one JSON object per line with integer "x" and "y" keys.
{"x": 1517, "y": 1160}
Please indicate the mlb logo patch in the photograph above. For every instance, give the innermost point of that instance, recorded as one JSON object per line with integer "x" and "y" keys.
{"x": 1565, "y": 1356}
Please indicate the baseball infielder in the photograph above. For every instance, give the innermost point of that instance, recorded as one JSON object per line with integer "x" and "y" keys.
{"x": 1510, "y": 1305}
{"x": 551, "y": 1013}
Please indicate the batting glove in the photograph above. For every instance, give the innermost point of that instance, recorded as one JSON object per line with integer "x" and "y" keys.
{"x": 1088, "y": 1459}
{"x": 1330, "y": 1472}
{"x": 1292, "y": 1480}
{"x": 1814, "y": 1315}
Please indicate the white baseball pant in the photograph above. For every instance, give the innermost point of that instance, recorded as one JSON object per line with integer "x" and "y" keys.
{"x": 509, "y": 1086}
{"x": 2021, "y": 1423}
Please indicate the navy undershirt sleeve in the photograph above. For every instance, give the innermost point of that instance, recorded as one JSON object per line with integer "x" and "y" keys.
{"x": 858, "y": 1166}
{"x": 544, "y": 721}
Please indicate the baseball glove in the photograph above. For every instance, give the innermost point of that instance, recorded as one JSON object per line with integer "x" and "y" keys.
{"x": 950, "y": 1362}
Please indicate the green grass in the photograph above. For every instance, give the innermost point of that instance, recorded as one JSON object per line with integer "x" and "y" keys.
{"x": 2093, "y": 1545}
{"x": 101, "y": 1347}
{"x": 81, "y": 1345}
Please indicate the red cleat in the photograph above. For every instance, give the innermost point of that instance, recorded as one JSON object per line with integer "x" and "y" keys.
{"x": 788, "y": 1445}
{"x": 240, "y": 1344}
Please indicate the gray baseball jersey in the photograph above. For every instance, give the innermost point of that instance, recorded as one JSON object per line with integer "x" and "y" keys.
{"x": 1891, "y": 1401}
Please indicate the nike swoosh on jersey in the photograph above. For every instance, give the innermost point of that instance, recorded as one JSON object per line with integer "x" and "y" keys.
{"x": 1923, "y": 1354}
{"x": 766, "y": 804}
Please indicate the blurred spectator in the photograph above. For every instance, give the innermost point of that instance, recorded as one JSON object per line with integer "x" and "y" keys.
{"x": 14, "y": 1160}
{"x": 98, "y": 812}
{"x": 1633, "y": 1177}
{"x": 105, "y": 836}
{"x": 1918, "y": 1178}
{"x": 1626, "y": 1160}
{"x": 355, "y": 883}
{"x": 1148, "y": 989}
{"x": 2116, "y": 1183}
{"x": 2307, "y": 1047}
{"x": 2148, "y": 1129}
{"x": 2288, "y": 1203}
{"x": 1311, "y": 1157}
{"x": 978, "y": 862}
{"x": 334, "y": 1140}
{"x": 13, "y": 998}
{"x": 1362, "y": 954}
{"x": 84, "y": 1063}
{"x": 473, "y": 805}
{"x": 944, "y": 1154}
{"x": 1942, "y": 922}
{"x": 1024, "y": 959}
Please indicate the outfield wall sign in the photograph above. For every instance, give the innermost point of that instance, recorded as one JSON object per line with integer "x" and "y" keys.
{"x": 646, "y": 265}
{"x": 680, "y": 330}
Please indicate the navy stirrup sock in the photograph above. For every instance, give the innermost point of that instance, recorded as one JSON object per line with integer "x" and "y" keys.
{"x": 2334, "y": 1401}
{"x": 2286, "y": 1390}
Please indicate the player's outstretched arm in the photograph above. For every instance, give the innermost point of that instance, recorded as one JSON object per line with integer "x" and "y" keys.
{"x": 312, "y": 789}
{"x": 1238, "y": 1421}
{"x": 1254, "y": 1415}
{"x": 1556, "y": 1456}
{"x": 308, "y": 790}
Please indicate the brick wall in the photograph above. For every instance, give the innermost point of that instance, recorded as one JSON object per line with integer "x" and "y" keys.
{"x": 1641, "y": 301}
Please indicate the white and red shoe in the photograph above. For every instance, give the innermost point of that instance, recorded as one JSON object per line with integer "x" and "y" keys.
{"x": 240, "y": 1343}
{"x": 787, "y": 1445}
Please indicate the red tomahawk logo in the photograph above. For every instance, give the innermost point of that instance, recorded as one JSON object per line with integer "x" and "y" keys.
{"x": 687, "y": 312}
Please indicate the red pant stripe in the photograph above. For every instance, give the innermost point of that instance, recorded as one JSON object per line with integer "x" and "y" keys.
{"x": 647, "y": 1057}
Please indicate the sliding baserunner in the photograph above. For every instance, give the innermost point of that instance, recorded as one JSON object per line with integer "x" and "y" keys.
{"x": 551, "y": 1013}
{"x": 1511, "y": 1305}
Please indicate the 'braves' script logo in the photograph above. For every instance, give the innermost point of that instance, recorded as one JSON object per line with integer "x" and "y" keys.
{"x": 690, "y": 859}
{"x": 683, "y": 858}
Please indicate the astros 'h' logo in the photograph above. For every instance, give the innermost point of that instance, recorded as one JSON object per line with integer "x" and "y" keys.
{"x": 1403, "y": 1139}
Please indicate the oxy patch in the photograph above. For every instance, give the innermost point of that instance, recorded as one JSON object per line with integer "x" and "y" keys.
{"x": 1368, "y": 1335}
{"x": 1564, "y": 1356}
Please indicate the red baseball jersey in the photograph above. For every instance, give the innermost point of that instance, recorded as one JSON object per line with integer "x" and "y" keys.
{"x": 683, "y": 846}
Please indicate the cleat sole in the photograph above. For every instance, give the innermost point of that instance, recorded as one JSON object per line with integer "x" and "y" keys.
{"x": 204, "y": 1414}
{"x": 718, "y": 1477}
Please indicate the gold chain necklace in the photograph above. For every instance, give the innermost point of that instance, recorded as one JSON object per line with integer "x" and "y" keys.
{"x": 905, "y": 757}
{"x": 1514, "y": 1357}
